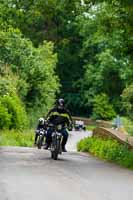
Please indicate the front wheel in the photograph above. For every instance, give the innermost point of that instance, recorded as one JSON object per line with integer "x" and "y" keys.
{"x": 55, "y": 148}
{"x": 54, "y": 155}
{"x": 40, "y": 141}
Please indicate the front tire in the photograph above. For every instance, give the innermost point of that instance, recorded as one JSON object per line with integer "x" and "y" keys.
{"x": 55, "y": 148}
{"x": 39, "y": 144}
{"x": 54, "y": 155}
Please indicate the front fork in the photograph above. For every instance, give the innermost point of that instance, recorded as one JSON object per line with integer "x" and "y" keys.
{"x": 55, "y": 139}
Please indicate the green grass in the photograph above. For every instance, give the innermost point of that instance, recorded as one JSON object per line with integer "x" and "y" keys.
{"x": 90, "y": 127}
{"x": 17, "y": 138}
{"x": 108, "y": 149}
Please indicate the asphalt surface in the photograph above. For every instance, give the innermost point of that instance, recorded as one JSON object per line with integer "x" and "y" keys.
{"x": 30, "y": 174}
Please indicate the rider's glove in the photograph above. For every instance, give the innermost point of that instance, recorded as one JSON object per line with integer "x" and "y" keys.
{"x": 70, "y": 127}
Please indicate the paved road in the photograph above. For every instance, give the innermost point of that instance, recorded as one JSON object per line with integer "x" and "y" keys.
{"x": 30, "y": 174}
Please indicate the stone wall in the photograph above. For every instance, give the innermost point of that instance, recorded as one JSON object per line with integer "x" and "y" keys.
{"x": 115, "y": 134}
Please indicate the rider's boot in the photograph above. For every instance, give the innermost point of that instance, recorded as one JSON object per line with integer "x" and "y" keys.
{"x": 64, "y": 149}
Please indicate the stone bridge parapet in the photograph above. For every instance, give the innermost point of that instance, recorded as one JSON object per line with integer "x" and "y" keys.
{"x": 115, "y": 134}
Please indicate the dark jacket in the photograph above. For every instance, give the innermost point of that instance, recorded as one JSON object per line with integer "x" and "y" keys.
{"x": 59, "y": 116}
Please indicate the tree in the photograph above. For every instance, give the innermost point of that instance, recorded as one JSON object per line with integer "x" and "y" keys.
{"x": 37, "y": 82}
{"x": 93, "y": 42}
{"x": 102, "y": 109}
{"x": 105, "y": 52}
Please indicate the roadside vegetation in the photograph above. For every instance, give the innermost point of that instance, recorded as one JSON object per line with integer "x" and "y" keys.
{"x": 17, "y": 138}
{"x": 107, "y": 149}
{"x": 90, "y": 127}
{"x": 41, "y": 61}
{"x": 128, "y": 125}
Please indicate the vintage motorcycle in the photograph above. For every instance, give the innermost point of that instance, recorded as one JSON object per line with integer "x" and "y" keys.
{"x": 41, "y": 135}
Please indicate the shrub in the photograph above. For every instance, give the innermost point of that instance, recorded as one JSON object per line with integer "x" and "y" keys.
{"x": 12, "y": 113}
{"x": 107, "y": 149}
{"x": 5, "y": 117}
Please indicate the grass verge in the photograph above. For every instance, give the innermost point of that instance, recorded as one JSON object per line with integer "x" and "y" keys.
{"x": 17, "y": 138}
{"x": 108, "y": 149}
{"x": 90, "y": 127}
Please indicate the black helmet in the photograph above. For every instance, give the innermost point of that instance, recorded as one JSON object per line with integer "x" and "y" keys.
{"x": 60, "y": 102}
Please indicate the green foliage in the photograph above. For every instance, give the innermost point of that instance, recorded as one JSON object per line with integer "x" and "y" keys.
{"x": 5, "y": 117}
{"x": 106, "y": 55}
{"x": 102, "y": 108}
{"x": 90, "y": 127}
{"x": 128, "y": 125}
{"x": 127, "y": 99}
{"x": 109, "y": 150}
{"x": 12, "y": 110}
{"x": 15, "y": 112}
{"x": 33, "y": 70}
{"x": 55, "y": 24}
{"x": 93, "y": 41}
{"x": 17, "y": 138}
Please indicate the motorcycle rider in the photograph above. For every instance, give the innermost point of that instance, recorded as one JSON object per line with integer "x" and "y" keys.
{"x": 41, "y": 125}
{"x": 58, "y": 115}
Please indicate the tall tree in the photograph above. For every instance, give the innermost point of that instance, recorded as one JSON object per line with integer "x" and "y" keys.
{"x": 37, "y": 84}
{"x": 93, "y": 39}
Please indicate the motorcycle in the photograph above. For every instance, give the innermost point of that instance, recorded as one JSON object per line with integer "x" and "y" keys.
{"x": 56, "y": 147}
{"x": 41, "y": 135}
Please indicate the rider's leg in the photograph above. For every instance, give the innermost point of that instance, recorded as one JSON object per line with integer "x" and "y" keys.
{"x": 36, "y": 136}
{"x": 65, "y": 137}
{"x": 48, "y": 138}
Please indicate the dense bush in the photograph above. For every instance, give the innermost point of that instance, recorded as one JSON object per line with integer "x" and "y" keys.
{"x": 14, "y": 115}
{"x": 5, "y": 117}
{"x": 12, "y": 110}
{"x": 107, "y": 149}
{"x": 102, "y": 108}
